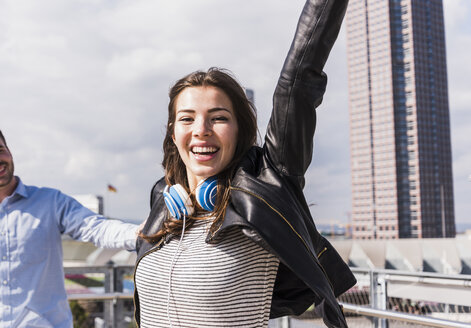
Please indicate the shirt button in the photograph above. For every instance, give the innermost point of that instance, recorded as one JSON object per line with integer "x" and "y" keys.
{"x": 4, "y": 258}
{"x": 5, "y": 282}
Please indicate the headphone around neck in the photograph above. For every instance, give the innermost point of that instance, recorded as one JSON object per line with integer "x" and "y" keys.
{"x": 179, "y": 203}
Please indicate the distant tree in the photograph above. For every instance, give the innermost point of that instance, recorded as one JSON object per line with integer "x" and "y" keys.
{"x": 80, "y": 315}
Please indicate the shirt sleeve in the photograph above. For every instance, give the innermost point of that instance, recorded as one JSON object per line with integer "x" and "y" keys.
{"x": 82, "y": 224}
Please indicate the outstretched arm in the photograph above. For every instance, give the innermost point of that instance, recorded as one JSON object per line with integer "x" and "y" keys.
{"x": 82, "y": 224}
{"x": 301, "y": 86}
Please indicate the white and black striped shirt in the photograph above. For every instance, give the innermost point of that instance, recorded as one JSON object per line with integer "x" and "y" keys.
{"x": 229, "y": 284}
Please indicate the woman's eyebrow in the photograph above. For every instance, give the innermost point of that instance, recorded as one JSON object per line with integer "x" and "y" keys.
{"x": 185, "y": 111}
{"x": 211, "y": 110}
{"x": 216, "y": 109}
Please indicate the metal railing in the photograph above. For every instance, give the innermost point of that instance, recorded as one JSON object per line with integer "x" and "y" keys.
{"x": 383, "y": 285}
{"x": 380, "y": 286}
{"x": 403, "y": 317}
{"x": 114, "y": 313}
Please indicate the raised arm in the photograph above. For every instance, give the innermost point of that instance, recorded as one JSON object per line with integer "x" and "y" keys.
{"x": 301, "y": 86}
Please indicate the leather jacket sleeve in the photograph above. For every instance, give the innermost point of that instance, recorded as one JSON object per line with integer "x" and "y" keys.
{"x": 300, "y": 88}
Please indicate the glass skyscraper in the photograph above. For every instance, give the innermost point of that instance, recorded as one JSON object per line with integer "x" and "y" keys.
{"x": 399, "y": 120}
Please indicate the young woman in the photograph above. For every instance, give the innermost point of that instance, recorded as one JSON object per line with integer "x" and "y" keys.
{"x": 229, "y": 241}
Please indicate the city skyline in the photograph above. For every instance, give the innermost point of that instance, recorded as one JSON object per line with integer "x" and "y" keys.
{"x": 84, "y": 92}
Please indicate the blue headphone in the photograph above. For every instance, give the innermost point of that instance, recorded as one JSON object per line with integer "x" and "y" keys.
{"x": 179, "y": 203}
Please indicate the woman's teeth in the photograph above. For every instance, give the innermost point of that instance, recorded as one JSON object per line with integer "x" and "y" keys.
{"x": 204, "y": 150}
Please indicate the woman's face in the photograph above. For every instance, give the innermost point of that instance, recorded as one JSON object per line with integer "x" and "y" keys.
{"x": 205, "y": 132}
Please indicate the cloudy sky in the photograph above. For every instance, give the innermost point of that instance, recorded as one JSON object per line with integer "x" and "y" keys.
{"x": 83, "y": 91}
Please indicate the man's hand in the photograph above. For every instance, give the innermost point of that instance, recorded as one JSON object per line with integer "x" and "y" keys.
{"x": 140, "y": 228}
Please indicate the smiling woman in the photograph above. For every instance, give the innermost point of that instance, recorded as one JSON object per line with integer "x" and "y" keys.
{"x": 237, "y": 244}
{"x": 205, "y": 132}
{"x": 206, "y": 110}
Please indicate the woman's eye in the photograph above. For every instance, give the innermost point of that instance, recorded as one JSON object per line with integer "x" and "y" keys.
{"x": 220, "y": 118}
{"x": 185, "y": 119}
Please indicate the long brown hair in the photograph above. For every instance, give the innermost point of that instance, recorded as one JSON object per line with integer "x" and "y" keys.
{"x": 175, "y": 170}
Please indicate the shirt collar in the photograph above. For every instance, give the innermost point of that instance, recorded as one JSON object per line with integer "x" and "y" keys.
{"x": 20, "y": 189}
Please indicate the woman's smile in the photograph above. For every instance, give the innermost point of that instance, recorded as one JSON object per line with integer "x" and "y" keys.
{"x": 204, "y": 153}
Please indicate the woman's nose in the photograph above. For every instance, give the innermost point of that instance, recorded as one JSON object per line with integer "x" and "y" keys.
{"x": 202, "y": 128}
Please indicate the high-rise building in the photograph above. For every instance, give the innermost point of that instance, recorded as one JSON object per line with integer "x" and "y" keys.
{"x": 399, "y": 120}
{"x": 250, "y": 95}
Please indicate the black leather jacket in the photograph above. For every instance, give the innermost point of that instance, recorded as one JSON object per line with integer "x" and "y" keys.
{"x": 267, "y": 201}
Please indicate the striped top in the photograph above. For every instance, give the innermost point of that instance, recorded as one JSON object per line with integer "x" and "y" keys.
{"x": 229, "y": 284}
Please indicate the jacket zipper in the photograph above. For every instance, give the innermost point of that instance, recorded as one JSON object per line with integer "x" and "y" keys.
{"x": 292, "y": 228}
{"x": 210, "y": 239}
{"x": 321, "y": 252}
{"x": 153, "y": 249}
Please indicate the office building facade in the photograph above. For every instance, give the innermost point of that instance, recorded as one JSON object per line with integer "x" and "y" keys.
{"x": 399, "y": 120}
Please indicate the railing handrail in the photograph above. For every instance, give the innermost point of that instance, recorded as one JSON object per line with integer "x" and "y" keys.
{"x": 387, "y": 273}
{"x": 400, "y": 316}
{"x": 95, "y": 268}
{"x": 412, "y": 274}
{"x": 100, "y": 297}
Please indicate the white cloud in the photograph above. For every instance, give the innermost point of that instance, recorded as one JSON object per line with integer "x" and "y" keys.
{"x": 458, "y": 40}
{"x": 84, "y": 89}
{"x": 143, "y": 63}
{"x": 456, "y": 13}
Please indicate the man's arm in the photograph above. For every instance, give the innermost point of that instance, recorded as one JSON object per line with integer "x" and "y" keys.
{"x": 301, "y": 86}
{"x": 83, "y": 224}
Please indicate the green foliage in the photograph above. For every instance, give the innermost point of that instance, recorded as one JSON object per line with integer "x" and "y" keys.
{"x": 79, "y": 314}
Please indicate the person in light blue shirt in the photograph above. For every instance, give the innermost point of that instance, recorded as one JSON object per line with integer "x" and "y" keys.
{"x": 32, "y": 220}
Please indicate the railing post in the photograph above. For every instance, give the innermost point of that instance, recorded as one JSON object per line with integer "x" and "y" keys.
{"x": 119, "y": 303}
{"x": 108, "y": 306}
{"x": 285, "y": 322}
{"x": 378, "y": 297}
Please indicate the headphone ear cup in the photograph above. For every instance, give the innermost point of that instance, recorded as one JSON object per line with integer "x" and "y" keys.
{"x": 178, "y": 202}
{"x": 206, "y": 193}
